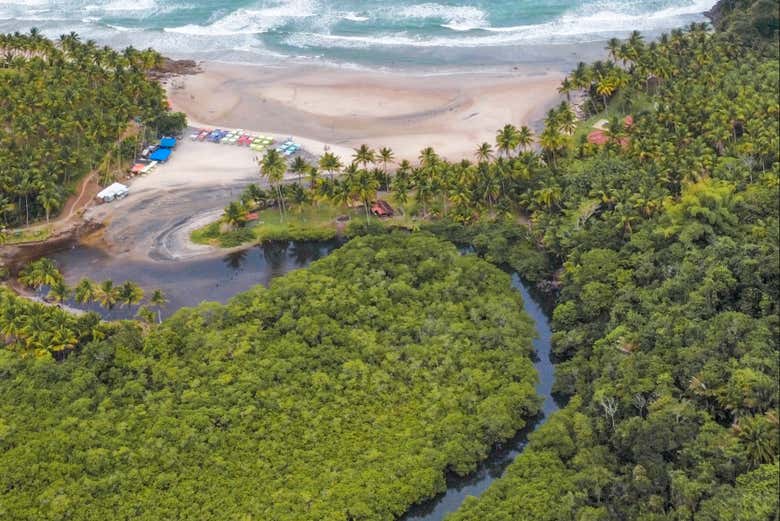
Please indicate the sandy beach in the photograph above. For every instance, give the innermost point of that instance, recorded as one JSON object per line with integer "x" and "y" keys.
{"x": 339, "y": 108}
{"x": 452, "y": 112}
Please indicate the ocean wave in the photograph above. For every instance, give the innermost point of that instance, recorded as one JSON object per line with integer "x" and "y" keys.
{"x": 457, "y": 18}
{"x": 581, "y": 26}
{"x": 605, "y": 20}
{"x": 354, "y": 17}
{"x": 122, "y": 6}
{"x": 252, "y": 21}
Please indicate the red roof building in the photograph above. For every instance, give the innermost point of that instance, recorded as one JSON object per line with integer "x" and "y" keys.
{"x": 382, "y": 209}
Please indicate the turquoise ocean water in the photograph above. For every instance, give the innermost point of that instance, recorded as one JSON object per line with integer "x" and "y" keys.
{"x": 373, "y": 33}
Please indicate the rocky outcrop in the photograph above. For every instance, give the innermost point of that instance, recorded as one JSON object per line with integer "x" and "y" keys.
{"x": 718, "y": 11}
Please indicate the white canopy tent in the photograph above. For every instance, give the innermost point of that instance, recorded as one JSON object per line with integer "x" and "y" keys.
{"x": 114, "y": 191}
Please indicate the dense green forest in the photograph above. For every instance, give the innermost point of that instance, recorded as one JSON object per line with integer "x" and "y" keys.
{"x": 667, "y": 323}
{"x": 344, "y": 391}
{"x": 64, "y": 106}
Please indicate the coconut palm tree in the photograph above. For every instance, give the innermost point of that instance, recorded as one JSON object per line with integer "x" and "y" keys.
{"x": 330, "y": 163}
{"x": 43, "y": 272}
{"x": 566, "y": 87}
{"x": 107, "y": 294}
{"x": 158, "y": 300}
{"x": 130, "y": 293}
{"x": 525, "y": 137}
{"x": 273, "y": 168}
{"x": 386, "y": 156}
{"x": 59, "y": 291}
{"x": 234, "y": 214}
{"x": 507, "y": 139}
{"x": 484, "y": 152}
{"x": 145, "y": 315}
{"x": 299, "y": 166}
{"x": 364, "y": 155}
{"x": 365, "y": 187}
{"x": 85, "y": 291}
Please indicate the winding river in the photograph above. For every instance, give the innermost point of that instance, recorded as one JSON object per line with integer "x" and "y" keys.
{"x": 187, "y": 283}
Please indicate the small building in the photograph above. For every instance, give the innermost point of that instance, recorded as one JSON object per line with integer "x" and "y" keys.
{"x": 114, "y": 191}
{"x": 382, "y": 208}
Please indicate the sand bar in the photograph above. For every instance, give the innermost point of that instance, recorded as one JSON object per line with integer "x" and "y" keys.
{"x": 453, "y": 112}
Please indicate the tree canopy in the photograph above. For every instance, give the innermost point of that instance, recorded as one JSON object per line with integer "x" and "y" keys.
{"x": 64, "y": 105}
{"x": 344, "y": 391}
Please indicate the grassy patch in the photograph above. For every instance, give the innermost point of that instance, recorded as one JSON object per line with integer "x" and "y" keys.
{"x": 314, "y": 223}
{"x": 28, "y": 235}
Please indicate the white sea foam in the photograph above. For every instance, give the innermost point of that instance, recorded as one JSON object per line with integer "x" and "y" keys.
{"x": 457, "y": 18}
{"x": 252, "y": 21}
{"x": 590, "y": 24}
{"x": 354, "y": 17}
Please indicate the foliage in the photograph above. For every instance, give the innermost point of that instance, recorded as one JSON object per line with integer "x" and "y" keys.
{"x": 752, "y": 22}
{"x": 63, "y": 105}
{"x": 344, "y": 391}
{"x": 44, "y": 331}
{"x": 667, "y": 322}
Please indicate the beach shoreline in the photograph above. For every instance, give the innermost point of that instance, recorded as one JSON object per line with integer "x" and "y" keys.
{"x": 451, "y": 111}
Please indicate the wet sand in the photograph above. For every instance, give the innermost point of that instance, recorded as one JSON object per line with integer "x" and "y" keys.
{"x": 450, "y": 111}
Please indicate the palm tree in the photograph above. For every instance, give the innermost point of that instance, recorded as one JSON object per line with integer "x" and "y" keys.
{"x": 507, "y": 139}
{"x": 387, "y": 156}
{"x": 107, "y": 294}
{"x": 145, "y": 314}
{"x": 299, "y": 166}
{"x": 59, "y": 291}
{"x": 400, "y": 191}
{"x": 548, "y": 196}
{"x": 158, "y": 300}
{"x": 567, "y": 119}
{"x": 273, "y": 167}
{"x": 85, "y": 291}
{"x": 565, "y": 88}
{"x": 759, "y": 436}
{"x": 605, "y": 87}
{"x": 484, "y": 152}
{"x": 365, "y": 188}
{"x": 43, "y": 272}
{"x": 130, "y": 293}
{"x": 330, "y": 163}
{"x": 525, "y": 137}
{"x": 234, "y": 214}
{"x": 364, "y": 155}
{"x": 613, "y": 46}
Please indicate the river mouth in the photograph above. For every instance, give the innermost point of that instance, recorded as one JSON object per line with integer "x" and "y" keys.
{"x": 190, "y": 282}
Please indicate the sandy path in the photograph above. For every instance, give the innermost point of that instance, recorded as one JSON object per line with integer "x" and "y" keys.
{"x": 451, "y": 112}
{"x": 155, "y": 219}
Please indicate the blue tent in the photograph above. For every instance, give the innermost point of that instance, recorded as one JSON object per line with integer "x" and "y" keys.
{"x": 161, "y": 154}
{"x": 168, "y": 142}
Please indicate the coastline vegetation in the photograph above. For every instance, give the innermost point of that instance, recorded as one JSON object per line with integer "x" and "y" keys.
{"x": 66, "y": 108}
{"x": 346, "y": 390}
{"x": 343, "y": 391}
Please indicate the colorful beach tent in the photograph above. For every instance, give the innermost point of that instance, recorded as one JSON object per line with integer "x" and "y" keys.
{"x": 168, "y": 142}
{"x": 161, "y": 154}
